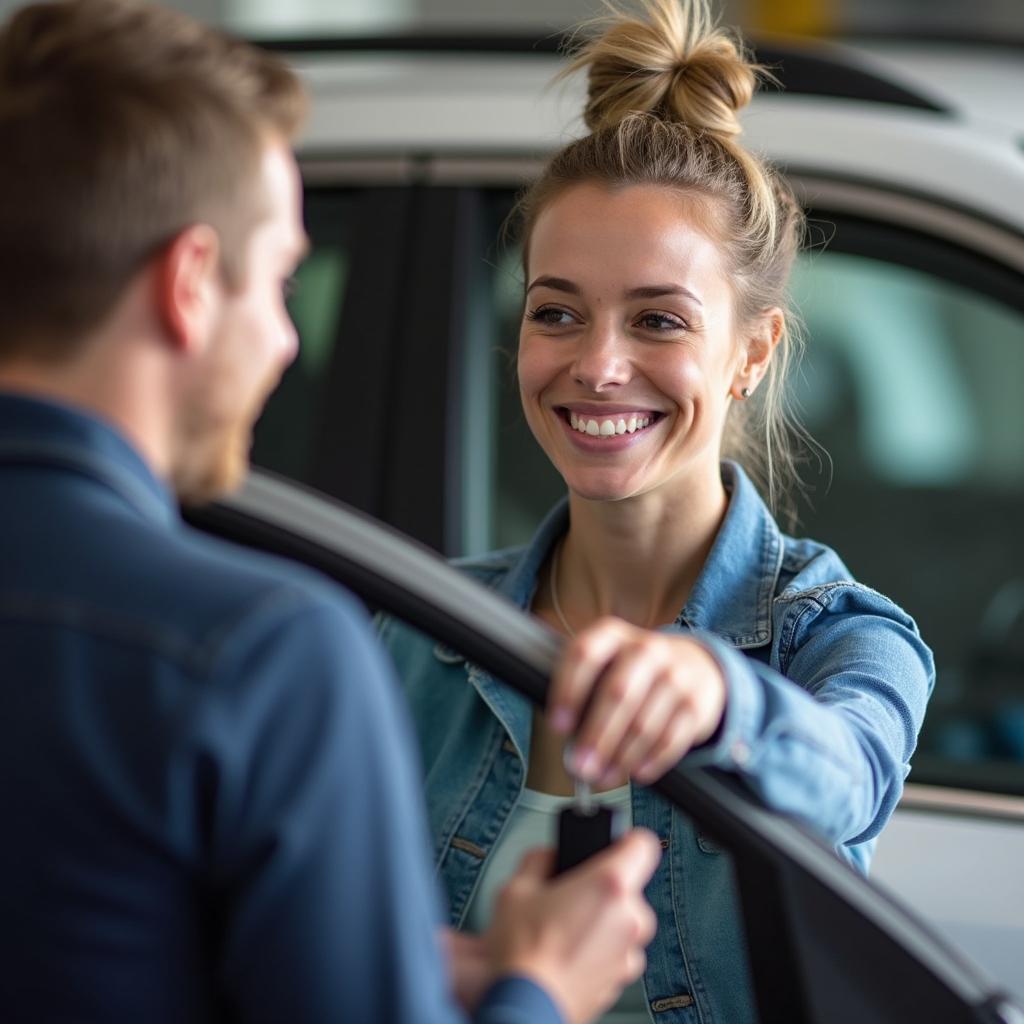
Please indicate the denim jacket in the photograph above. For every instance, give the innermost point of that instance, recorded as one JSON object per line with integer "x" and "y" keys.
{"x": 827, "y": 683}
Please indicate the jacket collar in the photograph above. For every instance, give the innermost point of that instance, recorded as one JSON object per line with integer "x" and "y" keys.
{"x": 40, "y": 432}
{"x": 733, "y": 594}
{"x": 732, "y": 597}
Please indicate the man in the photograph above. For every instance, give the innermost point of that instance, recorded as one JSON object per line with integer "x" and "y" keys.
{"x": 208, "y": 805}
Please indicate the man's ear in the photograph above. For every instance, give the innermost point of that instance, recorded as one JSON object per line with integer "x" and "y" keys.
{"x": 758, "y": 346}
{"x": 187, "y": 287}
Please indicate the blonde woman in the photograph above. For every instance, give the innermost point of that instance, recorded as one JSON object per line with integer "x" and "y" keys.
{"x": 652, "y": 357}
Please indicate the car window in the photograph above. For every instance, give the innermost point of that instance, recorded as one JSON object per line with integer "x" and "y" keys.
{"x": 286, "y": 436}
{"x": 910, "y": 382}
{"x": 910, "y": 385}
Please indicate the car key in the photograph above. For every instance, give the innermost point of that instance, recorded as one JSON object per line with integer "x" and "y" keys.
{"x": 584, "y": 827}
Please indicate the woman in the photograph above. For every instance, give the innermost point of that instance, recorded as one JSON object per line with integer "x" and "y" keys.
{"x": 654, "y": 342}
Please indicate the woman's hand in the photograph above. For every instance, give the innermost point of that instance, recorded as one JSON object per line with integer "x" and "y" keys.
{"x": 635, "y": 699}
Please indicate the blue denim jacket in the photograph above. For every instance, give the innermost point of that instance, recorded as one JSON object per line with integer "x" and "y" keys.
{"x": 827, "y": 685}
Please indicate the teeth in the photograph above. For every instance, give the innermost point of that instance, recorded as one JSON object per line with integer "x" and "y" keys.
{"x": 608, "y": 428}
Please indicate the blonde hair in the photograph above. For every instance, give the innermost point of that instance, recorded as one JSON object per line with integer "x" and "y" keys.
{"x": 665, "y": 89}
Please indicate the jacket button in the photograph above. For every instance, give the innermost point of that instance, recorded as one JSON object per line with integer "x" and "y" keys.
{"x": 740, "y": 752}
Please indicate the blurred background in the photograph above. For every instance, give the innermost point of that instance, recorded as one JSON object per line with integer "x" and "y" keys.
{"x": 995, "y": 19}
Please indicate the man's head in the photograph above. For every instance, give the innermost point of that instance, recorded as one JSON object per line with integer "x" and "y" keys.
{"x": 235, "y": 340}
{"x": 141, "y": 146}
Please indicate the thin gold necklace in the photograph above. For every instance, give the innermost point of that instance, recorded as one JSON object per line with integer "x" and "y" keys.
{"x": 554, "y": 590}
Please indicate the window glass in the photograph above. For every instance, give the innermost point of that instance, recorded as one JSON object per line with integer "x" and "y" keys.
{"x": 286, "y": 434}
{"x": 526, "y": 486}
{"x": 911, "y": 385}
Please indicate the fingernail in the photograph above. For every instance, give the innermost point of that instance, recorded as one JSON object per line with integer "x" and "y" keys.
{"x": 609, "y": 777}
{"x": 588, "y": 765}
{"x": 561, "y": 720}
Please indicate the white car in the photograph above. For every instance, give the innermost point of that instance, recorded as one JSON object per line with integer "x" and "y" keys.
{"x": 910, "y": 163}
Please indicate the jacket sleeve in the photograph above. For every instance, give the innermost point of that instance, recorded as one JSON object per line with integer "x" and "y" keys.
{"x": 319, "y": 847}
{"x": 827, "y": 739}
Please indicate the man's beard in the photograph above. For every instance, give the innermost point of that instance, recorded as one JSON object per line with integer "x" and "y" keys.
{"x": 215, "y": 456}
{"x": 219, "y": 469}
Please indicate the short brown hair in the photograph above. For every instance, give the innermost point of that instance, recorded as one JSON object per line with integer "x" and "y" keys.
{"x": 665, "y": 89}
{"x": 121, "y": 123}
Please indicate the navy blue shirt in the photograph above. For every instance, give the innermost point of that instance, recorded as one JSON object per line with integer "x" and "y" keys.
{"x": 208, "y": 805}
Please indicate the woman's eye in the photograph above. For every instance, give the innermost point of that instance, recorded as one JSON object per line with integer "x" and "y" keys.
{"x": 550, "y": 316}
{"x": 660, "y": 322}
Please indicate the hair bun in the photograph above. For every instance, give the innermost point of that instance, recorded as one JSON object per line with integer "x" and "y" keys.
{"x": 670, "y": 61}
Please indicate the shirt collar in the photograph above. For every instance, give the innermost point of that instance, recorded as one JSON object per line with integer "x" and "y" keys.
{"x": 733, "y": 594}
{"x": 42, "y": 432}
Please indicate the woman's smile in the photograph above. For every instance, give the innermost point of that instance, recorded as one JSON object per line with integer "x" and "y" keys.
{"x": 607, "y": 430}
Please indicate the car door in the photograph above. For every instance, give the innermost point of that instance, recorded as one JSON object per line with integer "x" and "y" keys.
{"x": 825, "y": 945}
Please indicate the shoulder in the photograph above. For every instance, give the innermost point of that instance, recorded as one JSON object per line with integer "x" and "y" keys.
{"x": 813, "y": 574}
{"x": 203, "y": 596}
{"x": 823, "y": 614}
{"x": 280, "y": 651}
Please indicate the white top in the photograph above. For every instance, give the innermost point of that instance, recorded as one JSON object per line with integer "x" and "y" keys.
{"x": 532, "y": 823}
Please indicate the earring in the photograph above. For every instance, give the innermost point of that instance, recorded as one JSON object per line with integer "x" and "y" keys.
{"x": 745, "y": 392}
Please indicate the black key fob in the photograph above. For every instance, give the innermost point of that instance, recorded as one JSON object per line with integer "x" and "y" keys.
{"x": 583, "y": 832}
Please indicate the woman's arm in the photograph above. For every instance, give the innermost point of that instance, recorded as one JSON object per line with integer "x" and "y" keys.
{"x": 829, "y": 741}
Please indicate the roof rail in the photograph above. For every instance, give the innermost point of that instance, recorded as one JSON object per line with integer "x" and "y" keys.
{"x": 809, "y": 69}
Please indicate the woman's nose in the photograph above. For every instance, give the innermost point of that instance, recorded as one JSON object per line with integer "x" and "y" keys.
{"x": 601, "y": 360}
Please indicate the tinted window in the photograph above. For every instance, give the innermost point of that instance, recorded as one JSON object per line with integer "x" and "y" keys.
{"x": 287, "y": 433}
{"x": 910, "y": 383}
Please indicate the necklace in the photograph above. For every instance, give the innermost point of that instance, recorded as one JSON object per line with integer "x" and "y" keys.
{"x": 554, "y": 591}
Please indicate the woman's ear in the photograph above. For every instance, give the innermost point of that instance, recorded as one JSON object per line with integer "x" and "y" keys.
{"x": 758, "y": 345}
{"x": 187, "y": 287}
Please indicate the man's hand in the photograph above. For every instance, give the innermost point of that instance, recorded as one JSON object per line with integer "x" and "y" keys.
{"x": 581, "y": 936}
{"x": 637, "y": 700}
{"x": 469, "y": 966}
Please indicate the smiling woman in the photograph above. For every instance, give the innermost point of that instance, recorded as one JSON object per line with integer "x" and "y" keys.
{"x": 657, "y": 253}
{"x": 643, "y": 334}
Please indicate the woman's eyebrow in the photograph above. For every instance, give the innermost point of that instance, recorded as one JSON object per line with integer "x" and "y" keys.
{"x": 652, "y": 291}
{"x": 656, "y": 291}
{"x": 559, "y": 284}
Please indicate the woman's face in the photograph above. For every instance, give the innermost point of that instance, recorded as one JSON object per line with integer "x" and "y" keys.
{"x": 627, "y": 351}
